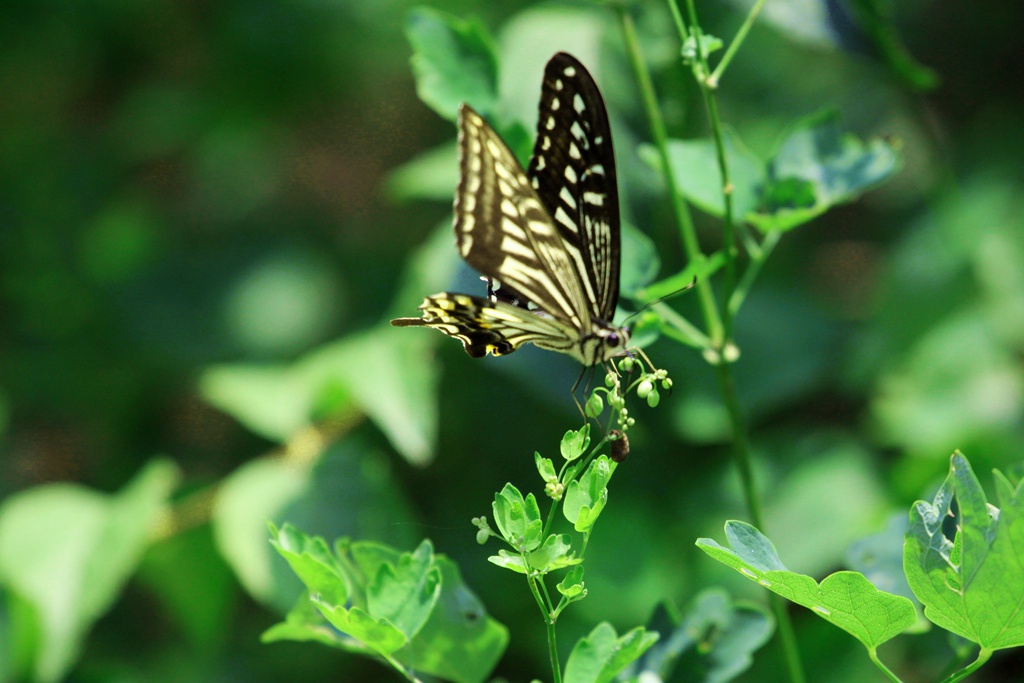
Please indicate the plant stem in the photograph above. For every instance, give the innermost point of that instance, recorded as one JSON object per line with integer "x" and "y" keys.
{"x": 741, "y": 451}
{"x": 408, "y": 673}
{"x": 874, "y": 658}
{"x": 734, "y": 46}
{"x": 757, "y": 260}
{"x": 659, "y": 135}
{"x": 549, "y": 625}
{"x": 982, "y": 657}
{"x": 719, "y": 323}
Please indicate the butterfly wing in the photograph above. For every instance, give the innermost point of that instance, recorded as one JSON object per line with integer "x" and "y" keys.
{"x": 488, "y": 326}
{"x": 549, "y": 238}
{"x": 573, "y": 172}
{"x": 504, "y": 230}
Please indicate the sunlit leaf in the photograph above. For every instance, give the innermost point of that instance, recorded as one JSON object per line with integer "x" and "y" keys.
{"x": 846, "y": 599}
{"x": 601, "y": 655}
{"x": 68, "y": 551}
{"x": 973, "y": 582}
{"x": 454, "y": 62}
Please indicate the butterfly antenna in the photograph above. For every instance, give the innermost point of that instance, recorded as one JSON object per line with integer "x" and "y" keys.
{"x": 659, "y": 300}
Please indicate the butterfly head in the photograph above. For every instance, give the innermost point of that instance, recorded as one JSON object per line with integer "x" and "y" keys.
{"x": 606, "y": 341}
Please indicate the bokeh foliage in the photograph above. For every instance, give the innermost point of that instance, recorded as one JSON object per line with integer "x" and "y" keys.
{"x": 209, "y": 211}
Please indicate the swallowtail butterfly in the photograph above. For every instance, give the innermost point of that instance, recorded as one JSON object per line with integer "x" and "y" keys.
{"x": 547, "y": 239}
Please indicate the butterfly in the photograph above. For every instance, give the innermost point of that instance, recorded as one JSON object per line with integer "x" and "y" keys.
{"x": 546, "y": 239}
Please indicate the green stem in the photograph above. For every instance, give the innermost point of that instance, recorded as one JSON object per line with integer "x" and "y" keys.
{"x": 660, "y": 137}
{"x": 983, "y": 656}
{"x": 874, "y": 658}
{"x": 677, "y": 18}
{"x": 757, "y": 260}
{"x": 700, "y": 69}
{"x": 734, "y": 46}
{"x": 741, "y": 451}
{"x": 408, "y": 673}
{"x": 684, "y": 330}
{"x": 549, "y": 624}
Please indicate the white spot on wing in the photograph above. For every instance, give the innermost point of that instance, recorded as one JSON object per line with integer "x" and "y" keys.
{"x": 567, "y": 197}
{"x": 562, "y": 217}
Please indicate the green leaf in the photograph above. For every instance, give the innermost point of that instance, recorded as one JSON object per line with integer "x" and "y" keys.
{"x": 399, "y": 395}
{"x": 257, "y": 491}
{"x": 700, "y": 268}
{"x": 601, "y": 655}
{"x": 554, "y": 553}
{"x": 575, "y": 443}
{"x": 572, "y": 586}
{"x": 699, "y": 178}
{"x": 68, "y": 552}
{"x": 431, "y": 175}
{"x": 708, "y": 44}
{"x": 973, "y": 584}
{"x": 818, "y": 167}
{"x": 640, "y": 261}
{"x": 454, "y": 62}
{"x": 507, "y": 560}
{"x": 377, "y": 634}
{"x": 405, "y": 592}
{"x": 879, "y": 557}
{"x": 272, "y": 401}
{"x": 713, "y": 643}
{"x": 586, "y": 497}
{"x": 517, "y": 518}
{"x": 545, "y": 467}
{"x": 459, "y": 642}
{"x": 846, "y": 599}
{"x": 305, "y": 623}
{"x": 311, "y": 560}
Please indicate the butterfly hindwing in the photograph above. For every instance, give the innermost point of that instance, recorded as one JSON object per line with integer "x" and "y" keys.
{"x": 488, "y": 326}
{"x": 573, "y": 172}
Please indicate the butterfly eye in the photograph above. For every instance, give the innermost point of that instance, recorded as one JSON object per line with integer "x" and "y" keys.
{"x": 612, "y": 339}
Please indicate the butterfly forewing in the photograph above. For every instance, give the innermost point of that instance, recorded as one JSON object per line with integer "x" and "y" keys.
{"x": 503, "y": 229}
{"x": 573, "y": 171}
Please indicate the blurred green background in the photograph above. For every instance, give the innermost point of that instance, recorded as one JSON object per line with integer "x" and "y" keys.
{"x": 202, "y": 236}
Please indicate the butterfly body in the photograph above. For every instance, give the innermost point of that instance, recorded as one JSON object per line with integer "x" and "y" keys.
{"x": 547, "y": 239}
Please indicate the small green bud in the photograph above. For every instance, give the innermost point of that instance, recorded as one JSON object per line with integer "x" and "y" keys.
{"x": 609, "y": 379}
{"x": 666, "y": 383}
{"x": 653, "y": 398}
{"x": 644, "y": 388}
{"x": 595, "y": 405}
{"x": 626, "y": 364}
{"x": 482, "y": 535}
